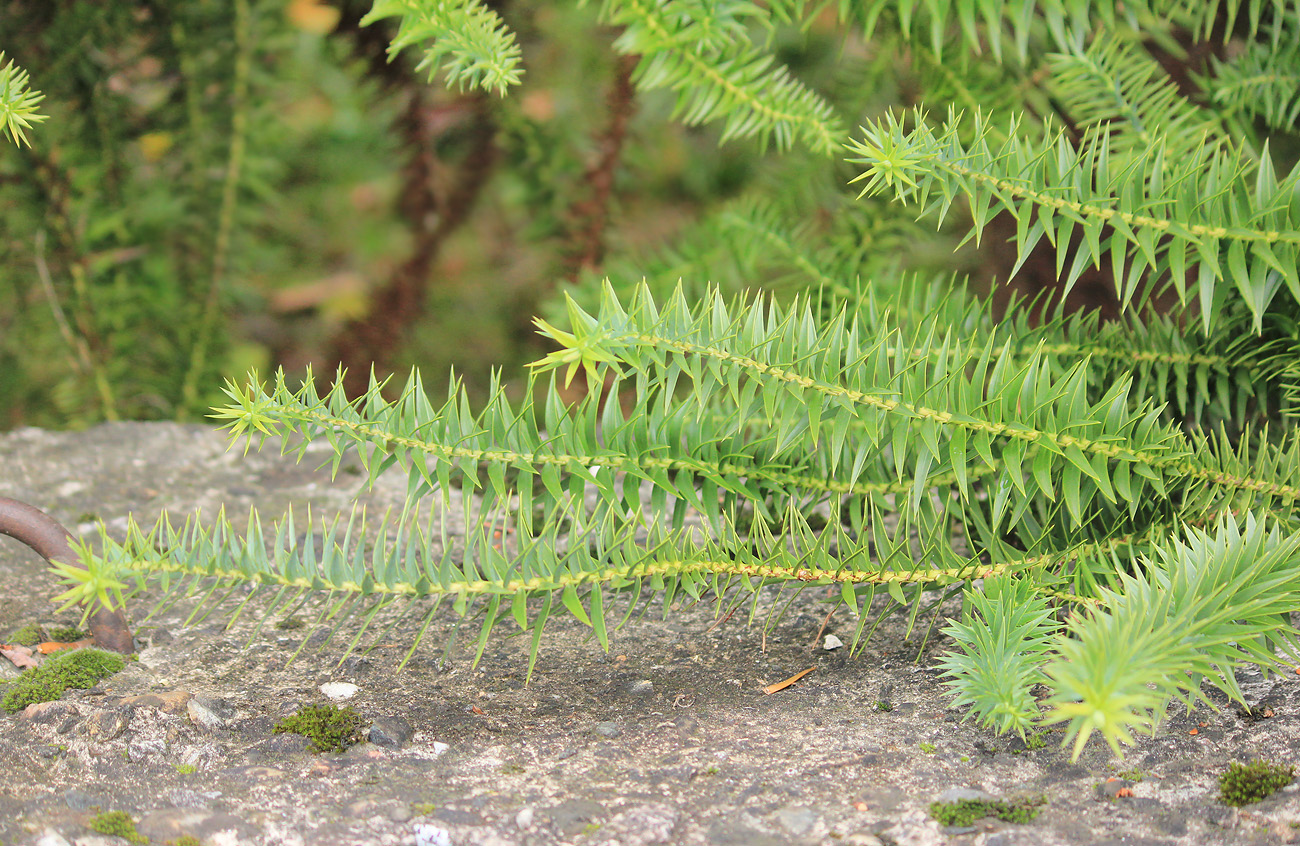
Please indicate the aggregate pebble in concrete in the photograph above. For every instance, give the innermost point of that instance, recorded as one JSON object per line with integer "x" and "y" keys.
{"x": 667, "y": 739}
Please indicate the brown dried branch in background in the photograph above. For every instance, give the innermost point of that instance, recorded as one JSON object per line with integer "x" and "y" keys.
{"x": 431, "y": 211}
{"x": 590, "y": 215}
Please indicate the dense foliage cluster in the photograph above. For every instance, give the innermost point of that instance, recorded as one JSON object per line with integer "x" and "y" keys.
{"x": 1103, "y": 468}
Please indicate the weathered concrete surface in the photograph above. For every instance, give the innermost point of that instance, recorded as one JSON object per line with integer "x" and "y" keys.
{"x": 668, "y": 738}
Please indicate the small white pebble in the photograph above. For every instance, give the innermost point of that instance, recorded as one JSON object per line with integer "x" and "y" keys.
{"x": 339, "y": 691}
{"x": 832, "y": 642}
{"x": 431, "y": 835}
{"x": 524, "y": 819}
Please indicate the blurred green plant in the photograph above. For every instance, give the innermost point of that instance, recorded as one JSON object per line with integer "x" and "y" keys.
{"x": 1110, "y": 491}
{"x": 18, "y": 103}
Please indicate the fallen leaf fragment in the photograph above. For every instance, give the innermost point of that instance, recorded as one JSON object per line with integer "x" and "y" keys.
{"x": 54, "y": 646}
{"x": 860, "y": 806}
{"x": 782, "y": 685}
{"x": 21, "y": 656}
{"x": 1194, "y": 731}
{"x": 1124, "y": 792}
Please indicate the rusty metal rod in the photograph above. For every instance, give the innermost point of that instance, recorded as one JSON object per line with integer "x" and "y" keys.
{"x": 38, "y": 530}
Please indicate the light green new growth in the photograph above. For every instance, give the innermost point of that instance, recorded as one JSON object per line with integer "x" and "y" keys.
{"x": 1114, "y": 502}
{"x": 18, "y": 103}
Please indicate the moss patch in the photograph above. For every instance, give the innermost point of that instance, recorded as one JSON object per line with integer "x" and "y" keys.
{"x": 329, "y": 729}
{"x": 118, "y": 823}
{"x": 67, "y": 634}
{"x": 967, "y": 811}
{"x": 78, "y": 669}
{"x": 29, "y": 635}
{"x": 1244, "y": 784}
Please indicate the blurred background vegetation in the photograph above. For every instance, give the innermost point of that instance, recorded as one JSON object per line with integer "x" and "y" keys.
{"x": 224, "y": 185}
{"x": 228, "y": 184}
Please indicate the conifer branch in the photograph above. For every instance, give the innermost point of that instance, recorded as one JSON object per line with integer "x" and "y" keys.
{"x": 18, "y": 102}
{"x": 463, "y": 39}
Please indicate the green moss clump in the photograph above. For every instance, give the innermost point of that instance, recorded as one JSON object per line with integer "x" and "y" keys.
{"x": 78, "y": 668}
{"x": 967, "y": 811}
{"x": 118, "y": 823}
{"x": 67, "y": 634}
{"x": 29, "y": 635}
{"x": 329, "y": 729}
{"x": 185, "y": 840}
{"x": 1244, "y": 784}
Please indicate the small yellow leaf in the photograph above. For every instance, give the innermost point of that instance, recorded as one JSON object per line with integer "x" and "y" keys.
{"x": 312, "y": 16}
{"x": 154, "y": 145}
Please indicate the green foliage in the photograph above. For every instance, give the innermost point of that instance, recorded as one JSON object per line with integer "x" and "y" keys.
{"x": 1122, "y": 207}
{"x": 1244, "y": 784}
{"x": 966, "y": 811}
{"x": 117, "y": 824}
{"x": 18, "y": 103}
{"x": 470, "y": 44}
{"x": 1111, "y": 496}
{"x": 702, "y": 52}
{"x": 328, "y": 727}
{"x": 180, "y": 165}
{"x": 75, "y": 669}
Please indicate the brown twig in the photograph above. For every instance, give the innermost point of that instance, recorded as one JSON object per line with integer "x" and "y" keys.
{"x": 394, "y": 307}
{"x": 590, "y": 215}
{"x": 431, "y": 212}
{"x": 38, "y": 530}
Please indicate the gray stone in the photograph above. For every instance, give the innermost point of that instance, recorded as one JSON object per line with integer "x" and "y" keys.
{"x": 726, "y": 833}
{"x": 170, "y": 824}
{"x": 607, "y": 729}
{"x": 137, "y": 750}
{"x": 392, "y": 732}
{"x": 574, "y": 815}
{"x": 109, "y": 725}
{"x": 80, "y": 800}
{"x": 641, "y": 687}
{"x": 208, "y": 712}
{"x": 797, "y": 819}
{"x": 643, "y": 825}
{"x": 52, "y": 838}
{"x": 964, "y": 794}
{"x": 862, "y": 838}
{"x": 279, "y": 746}
{"x": 458, "y": 816}
{"x": 43, "y": 713}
